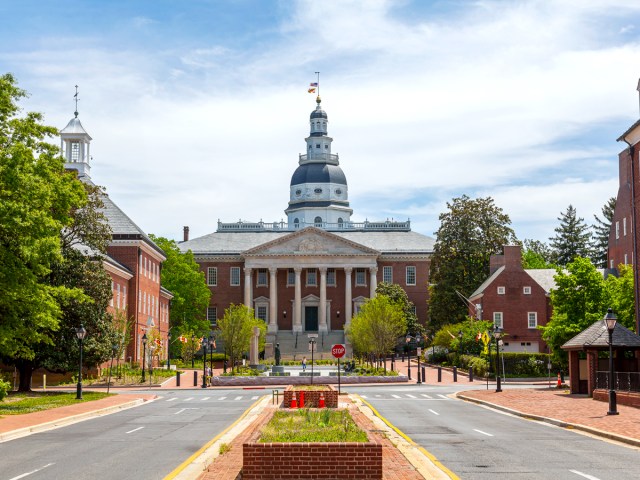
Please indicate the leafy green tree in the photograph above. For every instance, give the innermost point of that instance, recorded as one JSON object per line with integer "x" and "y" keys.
{"x": 620, "y": 293}
{"x": 466, "y": 344}
{"x": 578, "y": 300}
{"x": 572, "y": 239}
{"x": 37, "y": 201}
{"x": 378, "y": 326}
{"x": 470, "y": 232}
{"x": 182, "y": 276}
{"x": 601, "y": 230}
{"x": 236, "y": 329}
{"x": 396, "y": 294}
{"x": 536, "y": 255}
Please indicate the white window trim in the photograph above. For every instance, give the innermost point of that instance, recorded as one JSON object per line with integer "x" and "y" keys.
{"x": 314, "y": 276}
{"x": 362, "y": 271}
{"x": 526, "y": 290}
{"x": 335, "y": 281}
{"x": 215, "y": 319}
{"x": 624, "y": 226}
{"x": 617, "y": 230}
{"x": 231, "y": 271}
{"x": 415, "y": 275}
{"x": 388, "y": 269}
{"x": 266, "y": 277}
{"x": 535, "y": 315}
{"x": 215, "y": 280}
{"x": 291, "y": 275}
{"x": 498, "y": 319}
{"x": 501, "y": 290}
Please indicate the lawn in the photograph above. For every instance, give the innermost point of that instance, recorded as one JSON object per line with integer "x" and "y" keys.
{"x": 17, "y": 403}
{"x": 312, "y": 426}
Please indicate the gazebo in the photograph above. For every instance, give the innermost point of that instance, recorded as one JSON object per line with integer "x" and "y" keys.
{"x": 590, "y": 374}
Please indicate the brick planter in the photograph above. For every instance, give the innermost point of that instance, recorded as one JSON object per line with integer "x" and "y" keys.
{"x": 312, "y": 397}
{"x": 632, "y": 399}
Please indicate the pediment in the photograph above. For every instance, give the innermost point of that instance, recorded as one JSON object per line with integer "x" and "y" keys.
{"x": 310, "y": 241}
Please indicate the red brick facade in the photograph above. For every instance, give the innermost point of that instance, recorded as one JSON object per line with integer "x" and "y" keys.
{"x": 511, "y": 295}
{"x": 621, "y": 235}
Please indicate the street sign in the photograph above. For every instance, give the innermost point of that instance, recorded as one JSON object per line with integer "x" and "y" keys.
{"x": 338, "y": 350}
{"x": 419, "y": 351}
{"x": 312, "y": 335}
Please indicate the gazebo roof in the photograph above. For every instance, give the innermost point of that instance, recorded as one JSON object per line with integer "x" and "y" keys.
{"x": 597, "y": 337}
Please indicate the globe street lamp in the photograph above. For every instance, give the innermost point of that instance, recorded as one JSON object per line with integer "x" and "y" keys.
{"x": 168, "y": 350}
{"x": 204, "y": 363}
{"x": 408, "y": 339}
{"x": 80, "y": 333}
{"x": 144, "y": 355}
{"x": 610, "y": 321}
{"x": 497, "y": 333}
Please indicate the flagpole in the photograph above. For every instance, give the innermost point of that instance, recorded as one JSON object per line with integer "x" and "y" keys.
{"x": 318, "y": 81}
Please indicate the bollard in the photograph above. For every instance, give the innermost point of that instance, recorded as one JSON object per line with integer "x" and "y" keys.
{"x": 439, "y": 374}
{"x": 455, "y": 374}
{"x": 44, "y": 382}
{"x": 177, "y": 379}
{"x": 471, "y": 374}
{"x": 195, "y": 379}
{"x": 403, "y": 358}
{"x": 424, "y": 377}
{"x": 409, "y": 371}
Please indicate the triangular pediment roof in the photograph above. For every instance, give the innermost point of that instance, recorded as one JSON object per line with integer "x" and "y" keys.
{"x": 310, "y": 241}
{"x": 597, "y": 337}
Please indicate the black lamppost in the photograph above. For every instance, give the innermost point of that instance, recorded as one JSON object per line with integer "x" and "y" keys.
{"x": 418, "y": 339}
{"x": 459, "y": 341}
{"x": 168, "y": 350}
{"x": 204, "y": 363}
{"x": 193, "y": 351}
{"x": 312, "y": 344}
{"x": 80, "y": 333}
{"x": 212, "y": 342}
{"x": 144, "y": 356}
{"x": 408, "y": 339}
{"x": 610, "y": 321}
{"x": 497, "y": 333}
{"x": 152, "y": 348}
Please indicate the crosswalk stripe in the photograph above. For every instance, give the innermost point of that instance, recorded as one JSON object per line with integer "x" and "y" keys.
{"x": 255, "y": 397}
{"x": 411, "y": 396}
{"x": 222, "y": 398}
{"x": 238, "y": 398}
{"x": 395, "y": 396}
{"x": 434, "y": 412}
{"x": 443, "y": 396}
{"x": 172, "y": 399}
{"x": 364, "y": 396}
{"x": 187, "y": 399}
{"x": 205, "y": 398}
{"x": 426, "y": 396}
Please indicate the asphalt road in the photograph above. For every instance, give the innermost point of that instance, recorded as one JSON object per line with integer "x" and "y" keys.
{"x": 146, "y": 442}
{"x": 478, "y": 443}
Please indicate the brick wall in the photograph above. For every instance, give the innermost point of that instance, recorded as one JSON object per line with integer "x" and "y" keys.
{"x": 344, "y": 460}
{"x": 631, "y": 399}
{"x": 312, "y": 397}
{"x": 621, "y": 242}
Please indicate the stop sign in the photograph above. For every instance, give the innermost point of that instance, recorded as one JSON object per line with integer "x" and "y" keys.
{"x": 338, "y": 350}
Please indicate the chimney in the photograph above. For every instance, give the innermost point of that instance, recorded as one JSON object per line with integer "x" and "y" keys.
{"x": 185, "y": 234}
{"x": 495, "y": 262}
{"x": 512, "y": 256}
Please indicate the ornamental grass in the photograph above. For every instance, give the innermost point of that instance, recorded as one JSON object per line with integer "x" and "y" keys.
{"x": 307, "y": 425}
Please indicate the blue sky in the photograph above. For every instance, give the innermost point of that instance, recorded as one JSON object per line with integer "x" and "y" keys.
{"x": 198, "y": 109}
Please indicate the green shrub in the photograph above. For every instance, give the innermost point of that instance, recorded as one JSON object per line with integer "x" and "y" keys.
{"x": 5, "y": 388}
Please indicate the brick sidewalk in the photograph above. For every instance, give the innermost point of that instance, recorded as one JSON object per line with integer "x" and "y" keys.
{"x": 394, "y": 465}
{"x": 559, "y": 405}
{"x": 9, "y": 423}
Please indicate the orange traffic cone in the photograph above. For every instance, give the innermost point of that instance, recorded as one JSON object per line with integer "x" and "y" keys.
{"x": 321, "y": 402}
{"x": 559, "y": 381}
{"x": 294, "y": 403}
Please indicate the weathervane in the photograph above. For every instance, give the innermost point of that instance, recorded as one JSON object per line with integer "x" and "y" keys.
{"x": 76, "y": 98}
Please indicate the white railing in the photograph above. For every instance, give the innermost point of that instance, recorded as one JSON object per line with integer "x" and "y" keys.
{"x": 314, "y": 157}
{"x": 386, "y": 226}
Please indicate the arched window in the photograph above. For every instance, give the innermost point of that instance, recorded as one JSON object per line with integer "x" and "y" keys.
{"x": 318, "y": 222}
{"x": 296, "y": 223}
{"x": 340, "y": 223}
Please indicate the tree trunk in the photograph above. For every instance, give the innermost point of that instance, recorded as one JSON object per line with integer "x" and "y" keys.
{"x": 26, "y": 370}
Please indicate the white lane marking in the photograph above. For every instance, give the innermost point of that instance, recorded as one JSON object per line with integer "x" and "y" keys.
{"x": 590, "y": 477}
{"x": 434, "y": 412}
{"x": 205, "y": 398}
{"x": 134, "y": 430}
{"x": 180, "y": 411}
{"x": 364, "y": 396}
{"x": 395, "y": 396}
{"x": 443, "y": 396}
{"x": 187, "y": 399}
{"x": 411, "y": 396}
{"x": 222, "y": 398}
{"x": 378, "y": 396}
{"x": 255, "y": 397}
{"x": 484, "y": 433}
{"x": 32, "y": 472}
{"x": 172, "y": 399}
{"x": 238, "y": 398}
{"x": 426, "y": 396}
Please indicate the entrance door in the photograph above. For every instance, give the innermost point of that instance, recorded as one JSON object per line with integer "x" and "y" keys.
{"x": 311, "y": 319}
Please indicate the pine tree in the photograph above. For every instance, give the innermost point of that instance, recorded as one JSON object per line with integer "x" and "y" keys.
{"x": 572, "y": 239}
{"x": 601, "y": 233}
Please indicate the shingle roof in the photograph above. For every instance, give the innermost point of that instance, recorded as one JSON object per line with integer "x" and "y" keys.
{"x": 544, "y": 277}
{"x": 597, "y": 336}
{"x": 238, "y": 242}
{"x": 487, "y": 282}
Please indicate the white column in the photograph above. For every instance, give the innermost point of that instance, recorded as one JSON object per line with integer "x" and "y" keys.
{"x": 348, "y": 307}
{"x": 273, "y": 301}
{"x": 297, "y": 304}
{"x": 373, "y": 281}
{"x": 248, "y": 288}
{"x": 323, "y": 327}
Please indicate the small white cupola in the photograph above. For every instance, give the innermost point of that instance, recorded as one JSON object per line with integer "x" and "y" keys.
{"x": 75, "y": 143}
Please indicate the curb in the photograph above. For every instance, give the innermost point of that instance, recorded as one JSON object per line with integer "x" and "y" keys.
{"x": 61, "y": 422}
{"x": 558, "y": 423}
